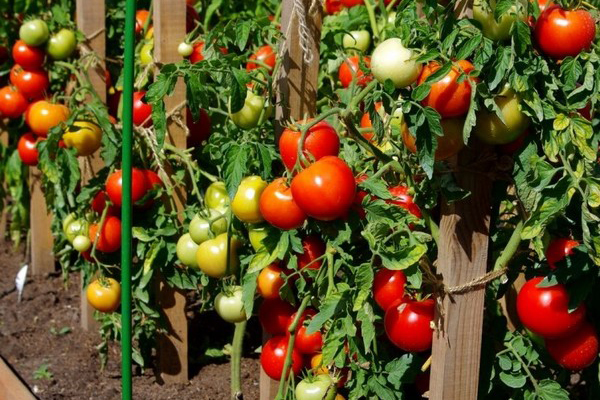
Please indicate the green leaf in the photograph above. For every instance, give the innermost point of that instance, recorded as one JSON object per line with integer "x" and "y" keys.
{"x": 439, "y": 74}
{"x": 329, "y": 306}
{"x": 553, "y": 202}
{"x": 469, "y": 47}
{"x": 249, "y": 291}
{"x": 421, "y": 92}
{"x": 512, "y": 380}
{"x": 551, "y": 390}
{"x": 236, "y": 166}
{"x": 242, "y": 33}
{"x": 561, "y": 122}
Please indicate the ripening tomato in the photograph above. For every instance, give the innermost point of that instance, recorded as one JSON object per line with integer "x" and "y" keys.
{"x": 245, "y": 203}
{"x": 43, "y": 116}
{"x": 320, "y": 387}
{"x": 560, "y": 33}
{"x": 333, "y": 6}
{"x": 197, "y": 55}
{"x": 307, "y": 343}
{"x": 274, "y": 315}
{"x": 545, "y": 310}
{"x": 278, "y": 207}
{"x": 269, "y": 281}
{"x": 186, "y": 251}
{"x": 141, "y": 110}
{"x": 28, "y": 152}
{"x": 352, "y": 3}
{"x": 34, "y": 32}
{"x": 265, "y": 55}
{"x": 388, "y": 287}
{"x": 104, "y": 294}
{"x": 273, "y": 356}
{"x": 408, "y": 325}
{"x": 201, "y": 228}
{"x": 314, "y": 249}
{"x": 212, "y": 256}
{"x": 32, "y": 83}
{"x": 99, "y": 203}
{"x": 114, "y": 186}
{"x": 325, "y": 190}
{"x": 109, "y": 237}
{"x": 141, "y": 16}
{"x": 28, "y": 57}
{"x": 403, "y": 199}
{"x": 448, "y": 145}
{"x": 321, "y": 140}
{"x": 350, "y": 70}
{"x": 514, "y": 146}
{"x": 492, "y": 130}
{"x": 391, "y": 60}
{"x": 483, "y": 12}
{"x": 447, "y": 96}
{"x": 359, "y": 196}
{"x": 576, "y": 351}
{"x": 558, "y": 249}
{"x": 230, "y": 305}
{"x": 12, "y": 102}
{"x": 357, "y": 40}
{"x": 84, "y": 136}
{"x": 216, "y": 197}
{"x": 365, "y": 122}
{"x": 62, "y": 44}
{"x": 199, "y": 130}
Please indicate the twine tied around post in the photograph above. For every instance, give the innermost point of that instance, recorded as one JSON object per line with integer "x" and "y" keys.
{"x": 299, "y": 12}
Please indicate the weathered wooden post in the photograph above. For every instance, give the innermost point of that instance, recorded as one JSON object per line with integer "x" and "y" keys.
{"x": 3, "y": 213}
{"x": 42, "y": 256}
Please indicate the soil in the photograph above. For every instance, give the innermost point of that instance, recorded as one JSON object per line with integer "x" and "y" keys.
{"x": 42, "y": 340}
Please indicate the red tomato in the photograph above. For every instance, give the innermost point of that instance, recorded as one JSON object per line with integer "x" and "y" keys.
{"x": 273, "y": 355}
{"x": 352, "y": 3}
{"x": 307, "y": 343}
{"x": 545, "y": 310}
{"x": 560, "y": 33}
{"x": 360, "y": 195}
{"x": 265, "y": 55}
{"x": 140, "y": 20}
{"x": 447, "y": 96}
{"x": 313, "y": 248}
{"x": 99, "y": 202}
{"x": 350, "y": 69}
{"x": 42, "y": 116}
{"x": 401, "y": 198}
{"x": 388, "y": 287}
{"x": 32, "y": 84}
{"x": 141, "y": 110}
{"x": 270, "y": 281}
{"x": 408, "y": 325}
{"x": 278, "y": 207}
{"x": 199, "y": 130}
{"x": 109, "y": 239}
{"x": 12, "y": 102}
{"x": 28, "y": 57}
{"x": 325, "y": 190}
{"x": 153, "y": 181}
{"x": 333, "y": 6}
{"x": 274, "y": 316}
{"x": 197, "y": 55}
{"x": 577, "y": 351}
{"x": 321, "y": 140}
{"x": 558, "y": 249}
{"x": 114, "y": 186}
{"x": 27, "y": 149}
{"x": 365, "y": 122}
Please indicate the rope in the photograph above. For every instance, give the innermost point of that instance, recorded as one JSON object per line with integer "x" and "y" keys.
{"x": 299, "y": 12}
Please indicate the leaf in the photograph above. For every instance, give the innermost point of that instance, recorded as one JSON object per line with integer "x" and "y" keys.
{"x": 328, "y": 309}
{"x": 366, "y": 316}
{"x": 553, "y": 202}
{"x": 403, "y": 369}
{"x": 551, "y": 390}
{"x": 512, "y": 380}
{"x": 249, "y": 291}
{"x": 439, "y": 74}
{"x": 421, "y": 92}
{"x": 469, "y": 47}
{"x": 242, "y": 33}
{"x": 364, "y": 281}
{"x": 561, "y": 122}
{"x": 236, "y": 165}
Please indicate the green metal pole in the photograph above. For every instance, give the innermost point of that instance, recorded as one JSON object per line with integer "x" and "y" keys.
{"x": 126, "y": 209}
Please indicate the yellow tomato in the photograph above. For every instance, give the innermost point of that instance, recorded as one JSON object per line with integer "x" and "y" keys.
{"x": 245, "y": 202}
{"x": 212, "y": 256}
{"x": 84, "y": 136}
{"x": 104, "y": 294}
{"x": 492, "y": 130}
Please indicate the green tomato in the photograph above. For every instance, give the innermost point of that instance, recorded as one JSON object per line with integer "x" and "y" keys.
{"x": 82, "y": 243}
{"x": 250, "y": 114}
{"x": 357, "y": 40}
{"x": 391, "y": 60}
{"x": 200, "y": 229}
{"x": 216, "y": 196}
{"x": 62, "y": 44}
{"x": 245, "y": 202}
{"x": 212, "y": 256}
{"x": 186, "y": 251}
{"x": 496, "y": 30}
{"x": 256, "y": 236}
{"x": 185, "y": 49}
{"x": 34, "y": 32}
{"x": 490, "y": 129}
{"x": 230, "y": 306}
{"x": 146, "y": 56}
{"x": 319, "y": 387}
{"x": 76, "y": 228}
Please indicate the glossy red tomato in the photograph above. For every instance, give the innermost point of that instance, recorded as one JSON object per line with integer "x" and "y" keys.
{"x": 278, "y": 207}
{"x": 199, "y": 130}
{"x": 274, "y": 315}
{"x": 350, "y": 69}
{"x": 352, "y": 3}
{"x": 142, "y": 111}
{"x": 321, "y": 140}
{"x": 32, "y": 83}
{"x": 269, "y": 281}
{"x": 153, "y": 181}
{"x": 545, "y": 310}
{"x": 197, "y": 55}
{"x": 577, "y": 351}
{"x": 307, "y": 343}
{"x": 401, "y": 198}
{"x": 265, "y": 55}
{"x": 388, "y": 287}
{"x": 114, "y": 186}
{"x": 325, "y": 190}
{"x": 365, "y": 122}
{"x": 99, "y": 202}
{"x": 447, "y": 96}
{"x": 313, "y": 248}
{"x": 27, "y": 149}
{"x": 28, "y": 57}
{"x": 12, "y": 102}
{"x": 109, "y": 237}
{"x": 558, "y": 249}
{"x": 408, "y": 325}
{"x": 272, "y": 358}
{"x": 43, "y": 115}
{"x": 333, "y": 6}
{"x": 140, "y": 20}
{"x": 560, "y": 33}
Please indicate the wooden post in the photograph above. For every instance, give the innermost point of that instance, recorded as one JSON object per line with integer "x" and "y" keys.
{"x": 42, "y": 257}
{"x": 91, "y": 22}
{"x": 169, "y": 30}
{"x": 11, "y": 386}
{"x": 3, "y": 213}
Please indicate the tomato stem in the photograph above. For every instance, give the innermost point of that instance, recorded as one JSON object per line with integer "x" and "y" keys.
{"x": 511, "y": 247}
{"x": 236, "y": 361}
{"x": 330, "y": 271}
{"x": 372, "y": 20}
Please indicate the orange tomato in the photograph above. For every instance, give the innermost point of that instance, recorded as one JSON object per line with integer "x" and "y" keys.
{"x": 43, "y": 116}
{"x": 270, "y": 281}
{"x": 447, "y": 145}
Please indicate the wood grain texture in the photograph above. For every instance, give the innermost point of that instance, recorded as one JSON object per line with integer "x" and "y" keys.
{"x": 42, "y": 257}
{"x": 267, "y": 386}
{"x": 169, "y": 29}
{"x": 11, "y": 386}
{"x": 3, "y": 213}
{"x": 462, "y": 257}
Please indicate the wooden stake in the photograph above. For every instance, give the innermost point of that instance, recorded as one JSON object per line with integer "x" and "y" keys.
{"x": 3, "y": 213}
{"x": 42, "y": 257}
{"x": 11, "y": 386}
{"x": 169, "y": 30}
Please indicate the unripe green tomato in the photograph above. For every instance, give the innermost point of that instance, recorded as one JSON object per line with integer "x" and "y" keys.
{"x": 245, "y": 202}
{"x": 82, "y": 243}
{"x": 391, "y": 60}
{"x": 186, "y": 251}
{"x": 146, "y": 56}
{"x": 185, "y": 49}
{"x": 319, "y": 387}
{"x": 62, "y": 44}
{"x": 212, "y": 256}
{"x": 256, "y": 236}
{"x": 250, "y": 114}
{"x": 216, "y": 196}
{"x": 492, "y": 29}
{"x": 491, "y": 130}
{"x": 200, "y": 227}
{"x": 67, "y": 221}
{"x": 357, "y": 40}
{"x": 76, "y": 228}
{"x": 34, "y": 32}
{"x": 230, "y": 306}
